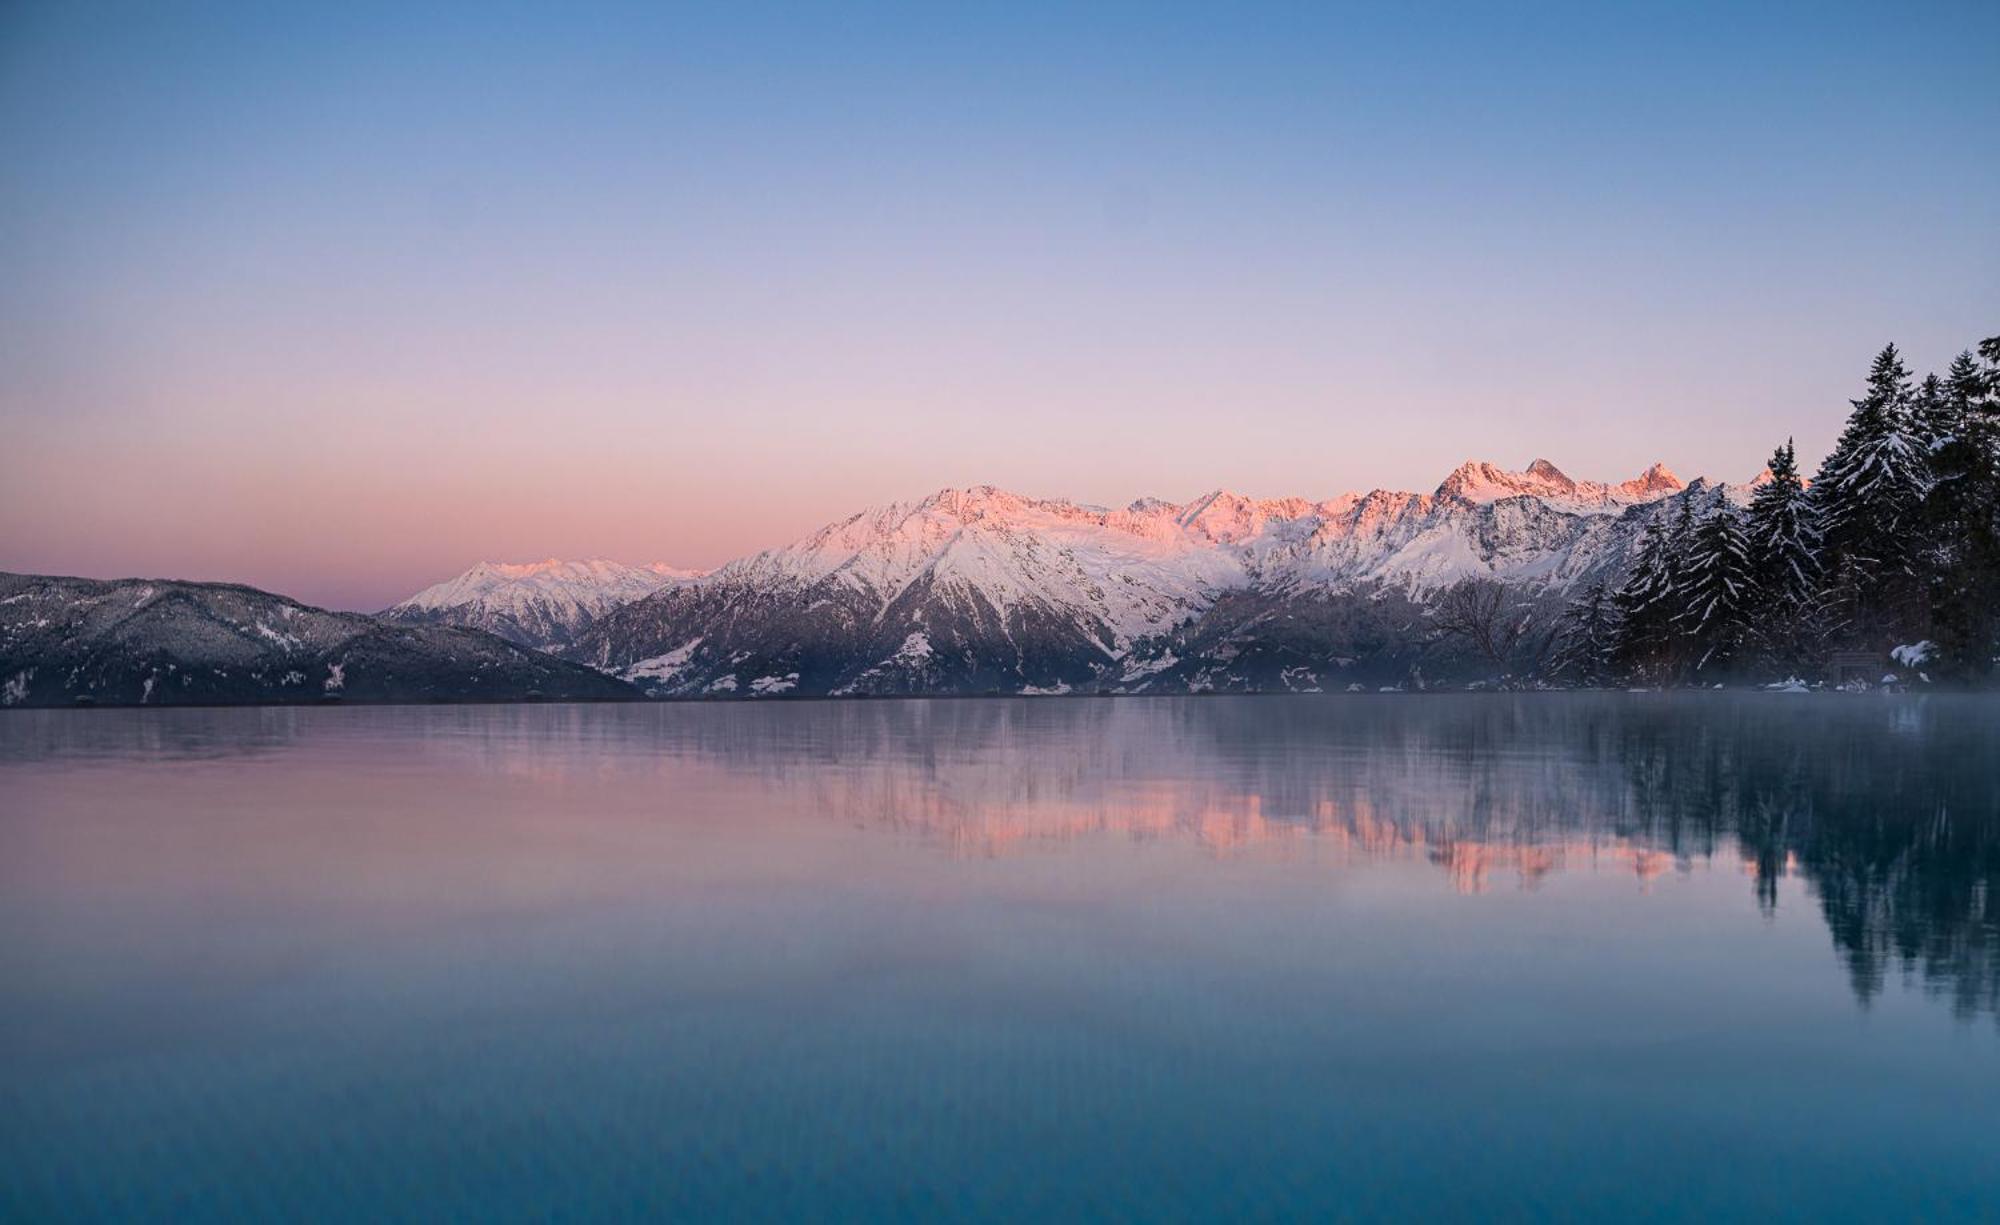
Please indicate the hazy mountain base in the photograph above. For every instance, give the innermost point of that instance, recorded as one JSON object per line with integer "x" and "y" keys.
{"x": 533, "y": 629}
{"x": 156, "y": 642}
{"x": 1305, "y": 642}
{"x": 936, "y": 638}
{"x": 832, "y": 637}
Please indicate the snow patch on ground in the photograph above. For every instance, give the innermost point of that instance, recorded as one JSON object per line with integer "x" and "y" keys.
{"x": 764, "y": 686}
{"x": 16, "y": 688}
{"x": 1045, "y": 691}
{"x": 288, "y": 641}
{"x": 1914, "y": 654}
{"x": 336, "y": 677}
{"x": 663, "y": 667}
{"x": 722, "y": 684}
{"x": 1135, "y": 671}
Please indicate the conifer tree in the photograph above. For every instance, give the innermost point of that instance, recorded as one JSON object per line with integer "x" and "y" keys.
{"x": 1961, "y": 522}
{"x": 1587, "y": 638}
{"x": 1718, "y": 597}
{"x": 1679, "y": 650}
{"x": 1682, "y": 534}
{"x": 1935, "y": 419}
{"x": 1644, "y": 607}
{"x": 1868, "y": 497}
{"x": 1784, "y": 563}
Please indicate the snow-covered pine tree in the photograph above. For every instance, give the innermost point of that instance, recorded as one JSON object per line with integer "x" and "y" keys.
{"x": 1685, "y": 519}
{"x": 1784, "y": 564}
{"x": 1644, "y": 607}
{"x": 1679, "y": 649}
{"x": 1587, "y": 638}
{"x": 1867, "y": 497}
{"x": 1934, "y": 419}
{"x": 1718, "y": 604}
{"x": 1961, "y": 522}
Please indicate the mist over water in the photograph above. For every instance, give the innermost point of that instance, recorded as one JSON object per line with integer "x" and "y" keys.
{"x": 1678, "y": 955}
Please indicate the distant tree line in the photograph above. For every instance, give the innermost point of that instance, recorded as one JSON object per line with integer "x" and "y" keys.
{"x": 1896, "y": 540}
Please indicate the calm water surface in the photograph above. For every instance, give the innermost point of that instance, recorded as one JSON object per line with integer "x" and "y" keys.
{"x": 1483, "y": 956}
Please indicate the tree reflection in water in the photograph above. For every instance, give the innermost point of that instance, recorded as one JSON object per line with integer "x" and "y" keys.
{"x": 1887, "y": 807}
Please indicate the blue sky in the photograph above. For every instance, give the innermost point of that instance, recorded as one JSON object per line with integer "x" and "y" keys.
{"x": 338, "y": 299}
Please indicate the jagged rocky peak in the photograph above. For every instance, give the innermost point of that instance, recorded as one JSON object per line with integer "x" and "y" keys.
{"x": 945, "y": 512}
{"x": 973, "y": 501}
{"x": 1225, "y": 517}
{"x": 1548, "y": 474}
{"x": 1479, "y": 481}
{"x": 1656, "y": 481}
{"x": 1219, "y": 517}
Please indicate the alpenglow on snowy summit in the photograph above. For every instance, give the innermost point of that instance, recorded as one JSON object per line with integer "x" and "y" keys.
{"x": 982, "y": 590}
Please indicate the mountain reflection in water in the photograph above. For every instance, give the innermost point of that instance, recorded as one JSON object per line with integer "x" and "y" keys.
{"x": 1888, "y": 808}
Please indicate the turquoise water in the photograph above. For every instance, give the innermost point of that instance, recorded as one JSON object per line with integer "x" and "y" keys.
{"x": 1478, "y": 957}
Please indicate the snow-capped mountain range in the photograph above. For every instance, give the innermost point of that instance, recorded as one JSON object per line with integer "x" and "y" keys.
{"x": 980, "y": 589}
{"x": 966, "y": 591}
{"x": 540, "y": 604}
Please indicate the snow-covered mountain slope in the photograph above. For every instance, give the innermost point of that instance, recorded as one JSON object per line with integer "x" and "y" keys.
{"x": 539, "y": 604}
{"x": 977, "y": 589}
{"x": 158, "y": 642}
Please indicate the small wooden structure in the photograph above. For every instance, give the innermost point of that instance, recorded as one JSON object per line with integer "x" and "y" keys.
{"x": 1846, "y": 667}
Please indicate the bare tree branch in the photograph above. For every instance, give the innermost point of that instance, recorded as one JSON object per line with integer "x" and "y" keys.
{"x": 1484, "y": 614}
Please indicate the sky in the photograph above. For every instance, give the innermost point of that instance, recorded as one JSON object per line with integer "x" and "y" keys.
{"x": 340, "y": 299}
